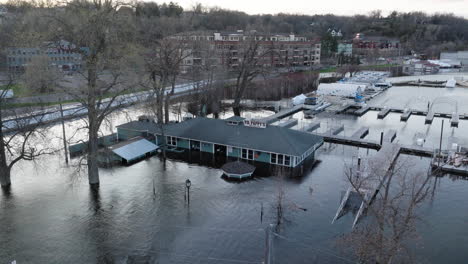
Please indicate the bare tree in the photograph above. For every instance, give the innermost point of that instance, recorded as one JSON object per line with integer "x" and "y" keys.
{"x": 391, "y": 216}
{"x": 16, "y": 136}
{"x": 246, "y": 60}
{"x": 103, "y": 36}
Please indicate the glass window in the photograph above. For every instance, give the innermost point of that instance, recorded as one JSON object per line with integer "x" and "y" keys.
{"x": 287, "y": 160}
{"x": 280, "y": 159}
{"x": 250, "y": 157}
{"x": 273, "y": 158}
{"x": 244, "y": 153}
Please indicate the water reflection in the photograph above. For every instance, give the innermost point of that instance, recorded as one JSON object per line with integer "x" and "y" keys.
{"x": 139, "y": 212}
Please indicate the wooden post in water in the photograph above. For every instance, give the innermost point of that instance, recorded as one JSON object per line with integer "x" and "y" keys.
{"x": 63, "y": 131}
{"x": 440, "y": 143}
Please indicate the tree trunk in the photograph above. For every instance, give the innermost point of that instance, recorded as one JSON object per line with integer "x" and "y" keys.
{"x": 5, "y": 180}
{"x": 236, "y": 107}
{"x": 166, "y": 108}
{"x": 93, "y": 147}
{"x": 93, "y": 121}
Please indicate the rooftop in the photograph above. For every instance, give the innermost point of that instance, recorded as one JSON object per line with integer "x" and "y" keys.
{"x": 268, "y": 139}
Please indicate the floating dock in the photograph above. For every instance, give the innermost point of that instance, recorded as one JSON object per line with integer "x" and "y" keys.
{"x": 383, "y": 113}
{"x": 406, "y": 115}
{"x": 312, "y": 126}
{"x": 282, "y": 114}
{"x": 335, "y": 130}
{"x": 405, "y": 112}
{"x": 361, "y": 133}
{"x": 389, "y": 136}
{"x": 429, "y": 117}
{"x": 361, "y": 111}
{"x": 363, "y": 143}
{"x": 289, "y": 123}
{"x": 454, "y": 120}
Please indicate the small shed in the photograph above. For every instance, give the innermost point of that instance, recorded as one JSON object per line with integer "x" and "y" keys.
{"x": 130, "y": 151}
{"x": 238, "y": 170}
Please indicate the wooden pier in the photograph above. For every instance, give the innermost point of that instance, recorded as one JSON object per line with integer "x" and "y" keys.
{"x": 312, "y": 126}
{"x": 290, "y": 111}
{"x": 383, "y": 113}
{"x": 361, "y": 133}
{"x": 454, "y": 120}
{"x": 361, "y": 111}
{"x": 389, "y": 136}
{"x": 429, "y": 117}
{"x": 335, "y": 130}
{"x": 282, "y": 114}
{"x": 364, "y": 143}
{"x": 289, "y": 123}
{"x": 406, "y": 115}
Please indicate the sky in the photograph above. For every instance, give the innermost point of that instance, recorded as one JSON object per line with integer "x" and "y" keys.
{"x": 338, "y": 7}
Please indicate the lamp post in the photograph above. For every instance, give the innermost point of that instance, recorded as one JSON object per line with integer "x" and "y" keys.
{"x": 188, "y": 183}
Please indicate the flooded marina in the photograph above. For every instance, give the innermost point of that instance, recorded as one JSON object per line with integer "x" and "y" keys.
{"x": 140, "y": 212}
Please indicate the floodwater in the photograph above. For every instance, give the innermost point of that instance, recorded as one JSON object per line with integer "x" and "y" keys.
{"x": 140, "y": 213}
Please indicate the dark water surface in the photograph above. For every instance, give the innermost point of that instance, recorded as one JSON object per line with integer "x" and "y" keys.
{"x": 139, "y": 212}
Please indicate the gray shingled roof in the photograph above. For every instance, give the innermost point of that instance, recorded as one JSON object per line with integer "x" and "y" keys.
{"x": 235, "y": 119}
{"x": 270, "y": 139}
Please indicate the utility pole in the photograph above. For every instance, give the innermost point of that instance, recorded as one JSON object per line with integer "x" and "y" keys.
{"x": 63, "y": 131}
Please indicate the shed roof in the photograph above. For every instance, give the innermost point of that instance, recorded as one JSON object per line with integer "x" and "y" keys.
{"x": 270, "y": 139}
{"x": 133, "y": 148}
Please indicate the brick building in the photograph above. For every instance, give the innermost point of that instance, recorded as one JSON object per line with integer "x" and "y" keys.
{"x": 378, "y": 45}
{"x": 274, "y": 50}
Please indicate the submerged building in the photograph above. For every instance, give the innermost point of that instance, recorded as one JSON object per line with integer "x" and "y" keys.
{"x": 234, "y": 137}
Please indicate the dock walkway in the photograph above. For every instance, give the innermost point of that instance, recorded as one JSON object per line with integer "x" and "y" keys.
{"x": 312, "y": 126}
{"x": 406, "y": 115}
{"x": 361, "y": 133}
{"x": 454, "y": 120}
{"x": 383, "y": 113}
{"x": 288, "y": 123}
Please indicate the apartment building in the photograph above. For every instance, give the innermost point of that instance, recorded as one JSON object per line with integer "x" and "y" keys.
{"x": 62, "y": 55}
{"x": 274, "y": 50}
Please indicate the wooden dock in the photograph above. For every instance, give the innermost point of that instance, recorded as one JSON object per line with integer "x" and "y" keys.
{"x": 361, "y": 133}
{"x": 364, "y": 143}
{"x": 361, "y": 111}
{"x": 345, "y": 108}
{"x": 383, "y": 113}
{"x": 406, "y": 115}
{"x": 429, "y": 117}
{"x": 312, "y": 126}
{"x": 288, "y": 123}
{"x": 389, "y": 136}
{"x": 290, "y": 111}
{"x": 454, "y": 120}
{"x": 335, "y": 130}
{"x": 281, "y": 114}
